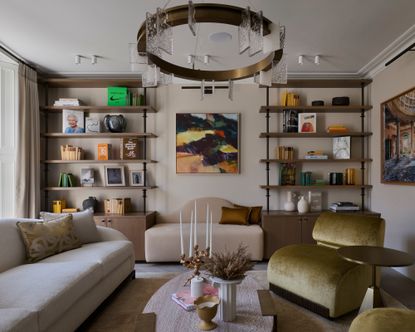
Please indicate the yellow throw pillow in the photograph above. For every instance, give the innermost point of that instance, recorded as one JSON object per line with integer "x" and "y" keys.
{"x": 234, "y": 216}
{"x": 44, "y": 239}
{"x": 254, "y": 213}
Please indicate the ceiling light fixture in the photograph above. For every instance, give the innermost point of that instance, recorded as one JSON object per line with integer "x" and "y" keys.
{"x": 77, "y": 59}
{"x": 300, "y": 59}
{"x": 257, "y": 35}
{"x": 94, "y": 59}
{"x": 317, "y": 60}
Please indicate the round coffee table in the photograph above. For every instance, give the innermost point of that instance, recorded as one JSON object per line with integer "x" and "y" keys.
{"x": 375, "y": 256}
{"x": 172, "y": 317}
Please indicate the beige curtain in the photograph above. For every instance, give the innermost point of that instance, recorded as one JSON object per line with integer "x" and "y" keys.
{"x": 28, "y": 146}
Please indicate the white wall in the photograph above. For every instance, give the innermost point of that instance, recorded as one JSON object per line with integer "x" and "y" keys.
{"x": 395, "y": 202}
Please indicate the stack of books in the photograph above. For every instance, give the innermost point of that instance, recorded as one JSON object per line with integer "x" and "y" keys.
{"x": 344, "y": 207}
{"x": 183, "y": 298}
{"x": 66, "y": 102}
{"x": 337, "y": 129}
{"x": 319, "y": 155}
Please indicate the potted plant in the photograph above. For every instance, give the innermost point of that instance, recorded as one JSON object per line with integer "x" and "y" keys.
{"x": 227, "y": 270}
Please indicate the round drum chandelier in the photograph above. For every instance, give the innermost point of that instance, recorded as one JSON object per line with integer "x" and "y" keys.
{"x": 258, "y": 37}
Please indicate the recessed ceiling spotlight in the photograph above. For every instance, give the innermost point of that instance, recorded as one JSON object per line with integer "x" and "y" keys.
{"x": 94, "y": 59}
{"x": 190, "y": 59}
{"x": 220, "y": 37}
{"x": 317, "y": 59}
{"x": 300, "y": 60}
{"x": 77, "y": 59}
{"x": 206, "y": 59}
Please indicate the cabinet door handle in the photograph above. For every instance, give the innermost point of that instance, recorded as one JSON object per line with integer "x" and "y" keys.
{"x": 103, "y": 220}
{"x": 109, "y": 220}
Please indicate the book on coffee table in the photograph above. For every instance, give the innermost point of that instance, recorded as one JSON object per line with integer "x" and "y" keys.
{"x": 183, "y": 298}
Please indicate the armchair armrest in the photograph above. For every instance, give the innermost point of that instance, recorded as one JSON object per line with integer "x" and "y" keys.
{"x": 109, "y": 234}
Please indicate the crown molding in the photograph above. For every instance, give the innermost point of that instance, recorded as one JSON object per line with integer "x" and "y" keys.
{"x": 377, "y": 64}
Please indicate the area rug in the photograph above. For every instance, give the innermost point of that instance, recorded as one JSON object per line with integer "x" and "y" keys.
{"x": 120, "y": 313}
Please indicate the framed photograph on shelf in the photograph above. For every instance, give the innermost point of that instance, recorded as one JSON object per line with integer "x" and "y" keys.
{"x": 87, "y": 177}
{"x": 92, "y": 125}
{"x": 73, "y": 122}
{"x": 307, "y": 123}
{"x": 114, "y": 176}
{"x": 136, "y": 178}
{"x": 341, "y": 147}
{"x": 398, "y": 137}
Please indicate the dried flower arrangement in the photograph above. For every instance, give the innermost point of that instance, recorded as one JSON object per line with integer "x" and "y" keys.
{"x": 229, "y": 265}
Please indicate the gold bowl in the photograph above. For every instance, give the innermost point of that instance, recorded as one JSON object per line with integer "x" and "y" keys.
{"x": 207, "y": 307}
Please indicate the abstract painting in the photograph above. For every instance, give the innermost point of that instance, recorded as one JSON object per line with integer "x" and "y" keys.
{"x": 398, "y": 139}
{"x": 207, "y": 143}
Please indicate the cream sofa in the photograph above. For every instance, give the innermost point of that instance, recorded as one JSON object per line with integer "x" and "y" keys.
{"x": 58, "y": 293}
{"x": 162, "y": 241}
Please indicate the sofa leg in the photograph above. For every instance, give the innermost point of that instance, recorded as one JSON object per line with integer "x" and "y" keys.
{"x": 132, "y": 275}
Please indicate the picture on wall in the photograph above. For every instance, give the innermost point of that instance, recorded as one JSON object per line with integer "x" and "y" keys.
{"x": 207, "y": 143}
{"x": 398, "y": 139}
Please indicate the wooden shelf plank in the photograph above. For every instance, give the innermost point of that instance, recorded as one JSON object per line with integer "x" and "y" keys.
{"x": 315, "y": 135}
{"x": 283, "y": 161}
{"x": 98, "y": 135}
{"x": 316, "y": 213}
{"x": 100, "y": 109}
{"x": 97, "y": 188}
{"x": 317, "y": 109}
{"x": 116, "y": 161}
{"x": 323, "y": 83}
{"x": 128, "y": 214}
{"x": 316, "y": 187}
{"x": 65, "y": 82}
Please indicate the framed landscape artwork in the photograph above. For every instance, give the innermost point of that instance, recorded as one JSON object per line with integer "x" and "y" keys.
{"x": 207, "y": 143}
{"x": 398, "y": 139}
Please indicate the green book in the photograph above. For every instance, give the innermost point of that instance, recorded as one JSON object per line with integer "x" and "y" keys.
{"x": 64, "y": 180}
{"x": 60, "y": 184}
{"x": 71, "y": 180}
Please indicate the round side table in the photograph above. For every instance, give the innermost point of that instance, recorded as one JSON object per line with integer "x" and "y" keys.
{"x": 375, "y": 256}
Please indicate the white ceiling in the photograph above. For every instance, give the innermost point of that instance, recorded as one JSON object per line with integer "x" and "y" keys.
{"x": 348, "y": 34}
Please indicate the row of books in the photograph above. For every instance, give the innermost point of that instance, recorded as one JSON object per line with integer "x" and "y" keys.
{"x": 117, "y": 205}
{"x": 69, "y": 152}
{"x": 128, "y": 150}
{"x": 66, "y": 180}
{"x": 285, "y": 152}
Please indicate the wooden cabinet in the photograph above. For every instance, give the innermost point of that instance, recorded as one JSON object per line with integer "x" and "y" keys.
{"x": 132, "y": 225}
{"x": 283, "y": 228}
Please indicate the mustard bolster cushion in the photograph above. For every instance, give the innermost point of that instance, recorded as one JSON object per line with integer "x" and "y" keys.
{"x": 234, "y": 216}
{"x": 254, "y": 213}
{"x": 44, "y": 239}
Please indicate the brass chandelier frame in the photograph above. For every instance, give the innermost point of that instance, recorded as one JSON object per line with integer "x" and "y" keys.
{"x": 207, "y": 13}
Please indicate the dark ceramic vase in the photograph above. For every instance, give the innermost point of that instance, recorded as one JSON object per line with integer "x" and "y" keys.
{"x": 90, "y": 203}
{"x": 115, "y": 123}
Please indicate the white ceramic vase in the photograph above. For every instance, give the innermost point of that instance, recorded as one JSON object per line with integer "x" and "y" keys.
{"x": 227, "y": 297}
{"x": 302, "y": 205}
{"x": 289, "y": 204}
{"x": 196, "y": 287}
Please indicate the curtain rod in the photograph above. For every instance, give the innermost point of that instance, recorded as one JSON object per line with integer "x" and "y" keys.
{"x": 396, "y": 57}
{"x": 5, "y": 50}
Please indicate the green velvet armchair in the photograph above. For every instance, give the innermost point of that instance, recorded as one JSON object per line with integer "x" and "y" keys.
{"x": 315, "y": 276}
{"x": 384, "y": 320}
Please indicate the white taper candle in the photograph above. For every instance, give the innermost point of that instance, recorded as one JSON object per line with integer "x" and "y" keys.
{"x": 195, "y": 219}
{"x": 181, "y": 234}
{"x": 191, "y": 236}
{"x": 207, "y": 226}
{"x": 211, "y": 234}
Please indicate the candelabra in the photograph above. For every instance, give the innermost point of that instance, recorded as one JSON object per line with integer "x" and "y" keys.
{"x": 195, "y": 262}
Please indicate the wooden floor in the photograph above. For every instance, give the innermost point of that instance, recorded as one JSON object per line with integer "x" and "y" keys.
{"x": 394, "y": 283}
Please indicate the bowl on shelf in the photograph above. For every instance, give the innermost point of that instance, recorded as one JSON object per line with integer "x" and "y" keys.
{"x": 115, "y": 123}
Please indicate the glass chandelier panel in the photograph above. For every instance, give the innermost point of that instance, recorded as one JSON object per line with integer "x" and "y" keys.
{"x": 282, "y": 36}
{"x": 279, "y": 71}
{"x": 191, "y": 18}
{"x": 243, "y": 30}
{"x": 151, "y": 34}
{"x": 164, "y": 33}
{"x": 256, "y": 34}
{"x": 149, "y": 77}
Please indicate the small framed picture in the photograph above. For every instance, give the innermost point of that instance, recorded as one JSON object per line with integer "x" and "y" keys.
{"x": 73, "y": 122}
{"x": 341, "y": 147}
{"x": 307, "y": 123}
{"x": 92, "y": 125}
{"x": 87, "y": 177}
{"x": 114, "y": 176}
{"x": 136, "y": 178}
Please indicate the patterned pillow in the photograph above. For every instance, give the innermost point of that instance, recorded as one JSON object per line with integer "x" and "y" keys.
{"x": 44, "y": 239}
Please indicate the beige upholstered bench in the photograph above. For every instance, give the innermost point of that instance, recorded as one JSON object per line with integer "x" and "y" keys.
{"x": 315, "y": 276}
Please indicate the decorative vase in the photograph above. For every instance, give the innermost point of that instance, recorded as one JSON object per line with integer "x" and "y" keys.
{"x": 207, "y": 307}
{"x": 289, "y": 204}
{"x": 227, "y": 296}
{"x": 196, "y": 287}
{"x": 115, "y": 123}
{"x": 302, "y": 205}
{"x": 90, "y": 203}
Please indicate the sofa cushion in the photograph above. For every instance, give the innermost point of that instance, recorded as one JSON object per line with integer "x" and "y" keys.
{"x": 107, "y": 254}
{"x": 12, "y": 249}
{"x": 49, "y": 289}
{"x": 83, "y": 222}
{"x": 44, "y": 239}
{"x": 255, "y": 213}
{"x": 18, "y": 320}
{"x": 234, "y": 216}
{"x": 225, "y": 237}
